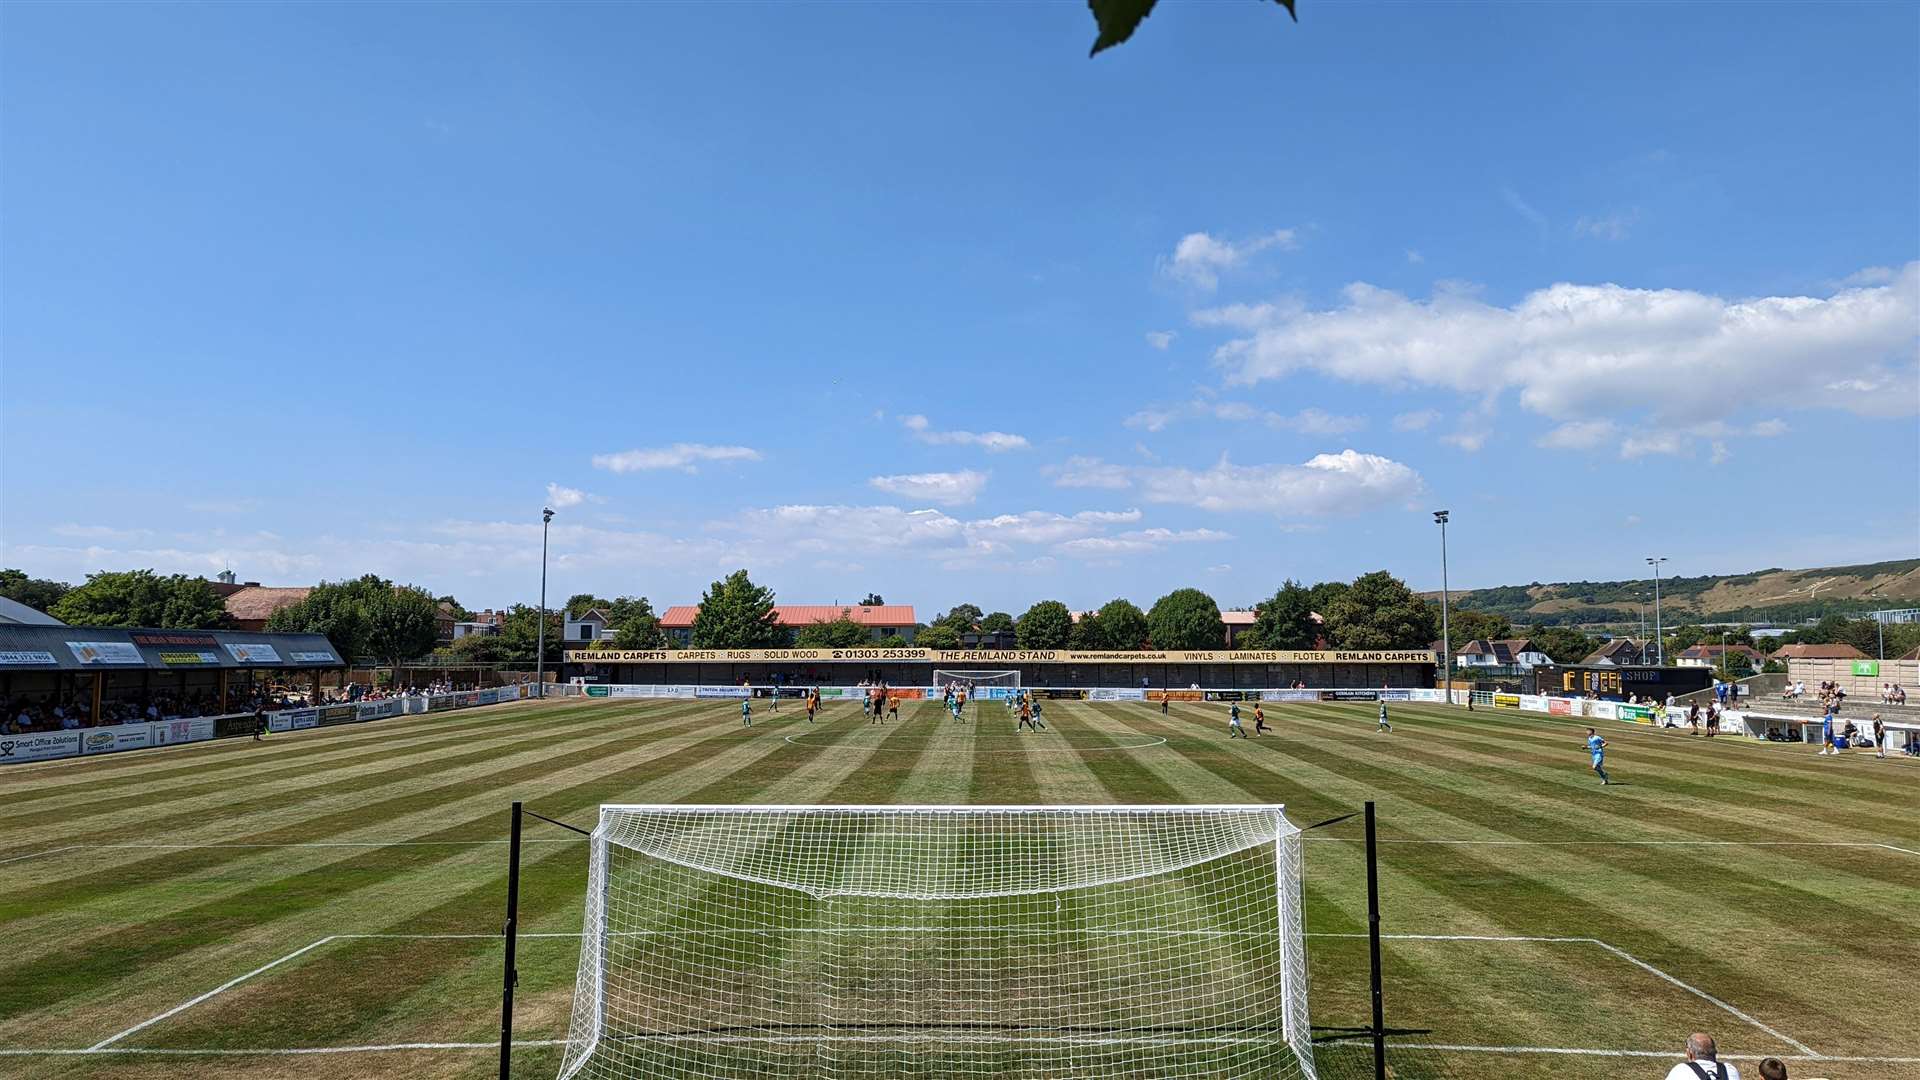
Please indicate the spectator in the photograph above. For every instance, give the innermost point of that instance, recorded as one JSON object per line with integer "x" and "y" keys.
{"x": 1773, "y": 1069}
{"x": 1703, "y": 1061}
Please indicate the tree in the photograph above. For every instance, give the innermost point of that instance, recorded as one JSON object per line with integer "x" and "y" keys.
{"x": 1119, "y": 624}
{"x": 1046, "y": 625}
{"x": 1283, "y": 620}
{"x": 402, "y": 623}
{"x": 872, "y": 600}
{"x": 961, "y": 618}
{"x": 636, "y": 626}
{"x": 1682, "y": 638}
{"x": 481, "y": 649}
{"x": 840, "y": 633}
{"x": 1380, "y": 612}
{"x": 1186, "y": 619}
{"x": 39, "y": 594}
{"x": 1116, "y": 20}
{"x": 142, "y": 598}
{"x": 332, "y": 608}
{"x": 519, "y": 635}
{"x": 460, "y": 612}
{"x": 998, "y": 622}
{"x": 937, "y": 637}
{"x": 580, "y": 603}
{"x": 1563, "y": 644}
{"x": 1324, "y": 594}
{"x": 737, "y": 614}
{"x": 1738, "y": 665}
{"x": 1465, "y": 625}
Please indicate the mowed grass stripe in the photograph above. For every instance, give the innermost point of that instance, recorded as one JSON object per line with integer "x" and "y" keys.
{"x": 429, "y": 958}
{"x": 1572, "y": 913}
{"x": 147, "y": 769}
{"x": 1556, "y": 791}
{"x": 186, "y": 801}
{"x": 302, "y": 824}
{"x": 52, "y": 978}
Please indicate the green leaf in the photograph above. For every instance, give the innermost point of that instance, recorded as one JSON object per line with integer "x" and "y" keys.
{"x": 1118, "y": 19}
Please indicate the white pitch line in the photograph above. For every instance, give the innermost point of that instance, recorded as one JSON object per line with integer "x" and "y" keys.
{"x": 222, "y": 988}
{"x": 37, "y": 854}
{"x": 1890, "y": 847}
{"x": 1620, "y": 843}
{"x": 1582, "y": 1051}
{"x": 1703, "y": 995}
{"x": 1615, "y": 950}
{"x": 387, "y": 1047}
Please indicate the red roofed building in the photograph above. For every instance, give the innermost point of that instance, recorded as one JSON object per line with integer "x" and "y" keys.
{"x": 1818, "y": 652}
{"x": 251, "y": 605}
{"x": 881, "y": 620}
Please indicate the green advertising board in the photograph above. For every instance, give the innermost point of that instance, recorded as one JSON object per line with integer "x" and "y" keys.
{"x": 1866, "y": 667}
{"x": 597, "y": 691}
{"x": 1639, "y": 714}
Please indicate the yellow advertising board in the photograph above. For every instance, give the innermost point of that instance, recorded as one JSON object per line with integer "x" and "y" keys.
{"x": 976, "y": 657}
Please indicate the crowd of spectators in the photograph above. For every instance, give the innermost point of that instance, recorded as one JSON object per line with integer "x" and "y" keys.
{"x": 55, "y": 713}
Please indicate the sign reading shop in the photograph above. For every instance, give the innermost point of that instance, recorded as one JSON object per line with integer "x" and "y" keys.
{"x": 995, "y": 656}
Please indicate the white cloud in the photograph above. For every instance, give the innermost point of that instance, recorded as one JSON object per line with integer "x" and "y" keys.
{"x": 1525, "y": 209}
{"x": 1577, "y": 351}
{"x": 1139, "y": 542}
{"x": 1641, "y": 444}
{"x": 1721, "y": 455}
{"x": 684, "y": 456}
{"x": 1613, "y": 227}
{"x": 1418, "y": 420}
{"x": 1577, "y": 435}
{"x": 1161, "y": 339}
{"x": 993, "y": 442}
{"x": 1200, "y": 258}
{"x": 1220, "y": 568}
{"x": 944, "y": 488}
{"x": 100, "y": 532}
{"x": 563, "y": 497}
{"x": 1414, "y": 257}
{"x": 1347, "y": 482}
{"x": 1308, "y": 421}
{"x": 1470, "y": 439}
{"x": 1767, "y": 429}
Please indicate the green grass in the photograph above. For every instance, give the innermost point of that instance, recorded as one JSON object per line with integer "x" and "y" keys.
{"x": 394, "y": 828}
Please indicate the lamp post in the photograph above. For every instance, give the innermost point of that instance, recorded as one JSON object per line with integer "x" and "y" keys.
{"x": 540, "y": 635}
{"x": 1659, "y": 644}
{"x": 1446, "y": 631}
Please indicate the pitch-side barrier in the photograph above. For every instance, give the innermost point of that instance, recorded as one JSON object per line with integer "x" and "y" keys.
{"x": 53, "y": 745}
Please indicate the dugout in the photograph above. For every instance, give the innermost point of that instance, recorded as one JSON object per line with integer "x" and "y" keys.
{"x": 1614, "y": 683}
{"x": 98, "y": 665}
{"x": 1239, "y": 669}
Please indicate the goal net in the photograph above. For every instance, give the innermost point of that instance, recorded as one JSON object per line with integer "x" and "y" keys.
{"x": 871, "y": 942}
{"x": 986, "y": 684}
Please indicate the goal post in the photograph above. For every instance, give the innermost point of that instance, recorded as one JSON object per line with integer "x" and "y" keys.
{"x": 949, "y": 941}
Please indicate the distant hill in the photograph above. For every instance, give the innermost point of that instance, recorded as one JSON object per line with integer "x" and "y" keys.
{"x": 1776, "y": 596}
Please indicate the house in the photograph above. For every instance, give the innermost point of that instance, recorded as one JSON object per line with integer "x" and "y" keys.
{"x": 1818, "y": 652}
{"x": 249, "y": 606}
{"x": 482, "y": 623}
{"x": 883, "y": 621}
{"x": 1620, "y": 652}
{"x": 1709, "y": 655}
{"x": 591, "y": 626}
{"x": 1506, "y": 652}
{"x": 1238, "y": 623}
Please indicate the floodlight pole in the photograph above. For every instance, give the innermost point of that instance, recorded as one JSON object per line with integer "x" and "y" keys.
{"x": 1446, "y": 631}
{"x": 1373, "y": 943}
{"x": 1659, "y": 645}
{"x": 512, "y": 934}
{"x": 540, "y": 636}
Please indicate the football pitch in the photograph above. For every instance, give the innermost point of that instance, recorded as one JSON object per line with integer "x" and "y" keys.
{"x": 328, "y": 903}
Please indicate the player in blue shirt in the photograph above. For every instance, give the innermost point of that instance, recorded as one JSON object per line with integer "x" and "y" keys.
{"x": 1597, "y": 746}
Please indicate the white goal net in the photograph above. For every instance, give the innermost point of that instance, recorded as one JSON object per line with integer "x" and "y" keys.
{"x": 986, "y": 684}
{"x": 871, "y": 942}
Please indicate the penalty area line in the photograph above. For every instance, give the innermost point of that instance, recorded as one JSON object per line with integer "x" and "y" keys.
{"x": 1587, "y": 1051}
{"x": 221, "y": 989}
{"x": 270, "y": 1051}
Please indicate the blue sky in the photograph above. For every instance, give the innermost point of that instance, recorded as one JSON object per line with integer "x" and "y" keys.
{"x": 919, "y": 299}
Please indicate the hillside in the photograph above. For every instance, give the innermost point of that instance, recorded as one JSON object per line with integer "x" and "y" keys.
{"x": 1762, "y": 596}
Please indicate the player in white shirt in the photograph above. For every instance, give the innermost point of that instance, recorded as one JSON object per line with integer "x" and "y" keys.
{"x": 1701, "y": 1063}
